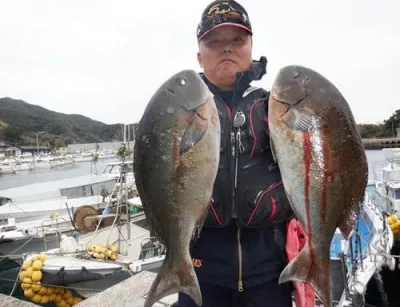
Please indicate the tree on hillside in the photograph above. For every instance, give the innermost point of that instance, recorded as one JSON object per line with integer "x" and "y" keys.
{"x": 392, "y": 123}
{"x": 370, "y": 131}
{"x": 12, "y": 134}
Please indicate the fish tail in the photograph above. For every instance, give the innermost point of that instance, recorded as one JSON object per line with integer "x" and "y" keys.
{"x": 305, "y": 267}
{"x": 173, "y": 278}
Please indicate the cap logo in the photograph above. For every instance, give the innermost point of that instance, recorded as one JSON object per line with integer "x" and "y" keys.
{"x": 226, "y": 10}
{"x": 220, "y": 8}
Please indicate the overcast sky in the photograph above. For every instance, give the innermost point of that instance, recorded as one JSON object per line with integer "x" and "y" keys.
{"x": 105, "y": 59}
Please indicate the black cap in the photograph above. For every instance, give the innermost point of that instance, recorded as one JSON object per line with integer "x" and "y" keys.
{"x": 223, "y": 13}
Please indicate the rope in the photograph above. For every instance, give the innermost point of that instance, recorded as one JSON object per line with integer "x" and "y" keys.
{"x": 16, "y": 282}
{"x": 18, "y": 248}
{"x": 95, "y": 233}
{"x": 118, "y": 206}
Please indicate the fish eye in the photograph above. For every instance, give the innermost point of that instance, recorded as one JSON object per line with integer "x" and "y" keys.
{"x": 296, "y": 74}
{"x": 182, "y": 81}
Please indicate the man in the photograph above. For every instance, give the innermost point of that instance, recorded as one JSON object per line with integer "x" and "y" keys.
{"x": 241, "y": 250}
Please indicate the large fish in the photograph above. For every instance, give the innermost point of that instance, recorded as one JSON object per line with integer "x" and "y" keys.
{"x": 176, "y": 158}
{"x": 315, "y": 140}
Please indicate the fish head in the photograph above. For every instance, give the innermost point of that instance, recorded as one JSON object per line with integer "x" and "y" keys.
{"x": 187, "y": 90}
{"x": 292, "y": 98}
{"x": 290, "y": 85}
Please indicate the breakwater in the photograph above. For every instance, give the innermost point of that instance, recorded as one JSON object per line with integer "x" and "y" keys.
{"x": 381, "y": 143}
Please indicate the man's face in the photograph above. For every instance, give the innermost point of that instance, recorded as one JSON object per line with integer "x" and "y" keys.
{"x": 224, "y": 52}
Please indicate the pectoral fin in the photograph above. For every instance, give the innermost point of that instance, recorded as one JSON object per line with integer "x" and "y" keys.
{"x": 194, "y": 131}
{"x": 302, "y": 120}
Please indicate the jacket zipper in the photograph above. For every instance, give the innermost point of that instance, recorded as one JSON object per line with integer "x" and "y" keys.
{"x": 237, "y": 148}
{"x": 240, "y": 281}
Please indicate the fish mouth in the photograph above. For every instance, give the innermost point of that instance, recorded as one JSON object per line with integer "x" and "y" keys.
{"x": 275, "y": 95}
{"x": 288, "y": 103}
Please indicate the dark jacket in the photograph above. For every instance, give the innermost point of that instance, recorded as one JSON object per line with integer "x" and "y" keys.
{"x": 242, "y": 242}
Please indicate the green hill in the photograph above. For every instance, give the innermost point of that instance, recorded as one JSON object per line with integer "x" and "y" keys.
{"x": 20, "y": 121}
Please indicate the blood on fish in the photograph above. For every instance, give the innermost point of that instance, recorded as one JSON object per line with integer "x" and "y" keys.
{"x": 307, "y": 168}
{"x": 327, "y": 174}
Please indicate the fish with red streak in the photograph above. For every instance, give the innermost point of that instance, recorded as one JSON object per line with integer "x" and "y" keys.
{"x": 315, "y": 141}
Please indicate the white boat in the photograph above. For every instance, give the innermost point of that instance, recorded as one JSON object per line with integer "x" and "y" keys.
{"x": 7, "y": 168}
{"x": 22, "y": 165}
{"x": 42, "y": 200}
{"x": 387, "y": 182}
{"x": 72, "y": 266}
{"x": 83, "y": 157}
{"x": 356, "y": 263}
{"x": 114, "y": 170}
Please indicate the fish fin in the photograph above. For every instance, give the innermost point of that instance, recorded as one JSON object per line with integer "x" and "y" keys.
{"x": 174, "y": 278}
{"x": 272, "y": 146}
{"x": 347, "y": 222}
{"x": 193, "y": 133}
{"x": 199, "y": 224}
{"x": 316, "y": 273}
{"x": 302, "y": 120}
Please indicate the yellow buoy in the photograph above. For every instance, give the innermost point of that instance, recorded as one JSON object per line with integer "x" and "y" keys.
{"x": 58, "y": 298}
{"x": 37, "y": 265}
{"x": 45, "y": 299}
{"x": 37, "y": 298}
{"x": 36, "y": 286}
{"x": 28, "y": 272}
{"x": 26, "y": 264}
{"x": 21, "y": 275}
{"x": 29, "y": 293}
{"x": 67, "y": 295}
{"x": 77, "y": 300}
{"x": 52, "y": 297}
{"x": 33, "y": 258}
{"x": 114, "y": 249}
{"x": 36, "y": 276}
{"x": 27, "y": 282}
{"x": 394, "y": 218}
{"x": 62, "y": 304}
{"x": 43, "y": 291}
{"x": 43, "y": 257}
{"x": 50, "y": 290}
{"x": 70, "y": 301}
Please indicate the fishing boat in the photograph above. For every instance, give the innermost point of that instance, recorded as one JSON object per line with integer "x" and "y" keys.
{"x": 41, "y": 200}
{"x": 386, "y": 178}
{"x": 93, "y": 261}
{"x": 356, "y": 263}
{"x": 32, "y": 217}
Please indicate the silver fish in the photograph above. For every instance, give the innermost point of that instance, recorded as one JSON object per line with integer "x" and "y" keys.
{"x": 176, "y": 158}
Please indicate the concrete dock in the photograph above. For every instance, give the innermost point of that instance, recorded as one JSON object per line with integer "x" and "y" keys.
{"x": 9, "y": 301}
{"x": 128, "y": 293}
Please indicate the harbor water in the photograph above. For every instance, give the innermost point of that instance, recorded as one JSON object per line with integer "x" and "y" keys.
{"x": 83, "y": 168}
{"x": 38, "y": 175}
